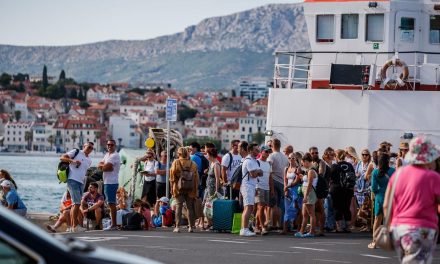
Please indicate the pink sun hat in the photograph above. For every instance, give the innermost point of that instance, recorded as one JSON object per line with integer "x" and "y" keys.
{"x": 422, "y": 151}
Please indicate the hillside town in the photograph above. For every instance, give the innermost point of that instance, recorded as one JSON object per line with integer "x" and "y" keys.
{"x": 31, "y": 121}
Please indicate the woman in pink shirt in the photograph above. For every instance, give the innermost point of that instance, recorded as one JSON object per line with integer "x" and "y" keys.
{"x": 414, "y": 207}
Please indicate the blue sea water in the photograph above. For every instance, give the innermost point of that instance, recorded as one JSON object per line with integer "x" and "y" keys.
{"x": 37, "y": 181}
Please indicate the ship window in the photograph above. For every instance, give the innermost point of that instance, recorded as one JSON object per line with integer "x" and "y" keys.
{"x": 407, "y": 29}
{"x": 349, "y": 26}
{"x": 375, "y": 26}
{"x": 325, "y": 28}
{"x": 434, "y": 29}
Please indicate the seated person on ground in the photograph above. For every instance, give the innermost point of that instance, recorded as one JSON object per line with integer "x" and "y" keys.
{"x": 92, "y": 205}
{"x": 144, "y": 209}
{"x": 163, "y": 215}
{"x": 12, "y": 199}
{"x": 66, "y": 204}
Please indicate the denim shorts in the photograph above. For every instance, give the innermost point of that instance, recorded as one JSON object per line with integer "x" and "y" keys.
{"x": 110, "y": 192}
{"x": 76, "y": 190}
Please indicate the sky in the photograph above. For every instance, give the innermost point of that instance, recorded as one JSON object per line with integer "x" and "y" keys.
{"x": 71, "y": 22}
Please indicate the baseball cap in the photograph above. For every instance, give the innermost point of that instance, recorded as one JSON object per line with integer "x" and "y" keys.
{"x": 6, "y": 183}
{"x": 265, "y": 148}
{"x": 164, "y": 199}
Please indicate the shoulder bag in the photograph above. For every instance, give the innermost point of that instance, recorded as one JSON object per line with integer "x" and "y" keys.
{"x": 382, "y": 235}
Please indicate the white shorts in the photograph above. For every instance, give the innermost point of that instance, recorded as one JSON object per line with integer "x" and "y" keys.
{"x": 248, "y": 193}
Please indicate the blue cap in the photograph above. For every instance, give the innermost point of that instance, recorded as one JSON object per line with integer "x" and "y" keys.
{"x": 265, "y": 148}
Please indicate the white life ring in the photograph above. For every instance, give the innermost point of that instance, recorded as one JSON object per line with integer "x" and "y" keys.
{"x": 400, "y": 79}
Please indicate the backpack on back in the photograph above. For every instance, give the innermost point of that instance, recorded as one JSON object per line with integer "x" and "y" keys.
{"x": 321, "y": 187}
{"x": 238, "y": 176}
{"x": 205, "y": 162}
{"x": 347, "y": 178}
{"x": 132, "y": 221}
{"x": 185, "y": 184}
{"x": 64, "y": 170}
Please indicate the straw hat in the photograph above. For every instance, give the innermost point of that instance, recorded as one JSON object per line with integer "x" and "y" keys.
{"x": 422, "y": 151}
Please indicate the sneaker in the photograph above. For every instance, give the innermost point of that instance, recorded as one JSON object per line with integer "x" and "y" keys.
{"x": 298, "y": 234}
{"x": 69, "y": 229}
{"x": 246, "y": 232}
{"x": 264, "y": 232}
{"x": 79, "y": 228}
{"x": 51, "y": 228}
{"x": 111, "y": 228}
{"x": 190, "y": 230}
{"x": 176, "y": 230}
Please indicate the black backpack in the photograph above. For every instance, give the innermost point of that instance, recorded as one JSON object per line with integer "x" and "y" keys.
{"x": 205, "y": 162}
{"x": 132, "y": 221}
{"x": 347, "y": 177}
{"x": 64, "y": 169}
{"x": 237, "y": 177}
{"x": 321, "y": 187}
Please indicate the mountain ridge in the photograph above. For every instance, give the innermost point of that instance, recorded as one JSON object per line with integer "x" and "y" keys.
{"x": 246, "y": 40}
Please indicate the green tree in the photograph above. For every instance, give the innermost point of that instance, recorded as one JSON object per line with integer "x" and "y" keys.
{"x": 184, "y": 112}
{"x": 45, "y": 79}
{"x": 17, "y": 115}
{"x": 20, "y": 77}
{"x": 28, "y": 137}
{"x": 84, "y": 104}
{"x": 73, "y": 93}
{"x": 51, "y": 140}
{"x": 5, "y": 79}
{"x": 202, "y": 141}
{"x": 62, "y": 76}
{"x": 74, "y": 136}
{"x": 258, "y": 137}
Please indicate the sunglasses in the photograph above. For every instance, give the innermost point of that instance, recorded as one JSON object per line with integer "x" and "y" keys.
{"x": 89, "y": 147}
{"x": 110, "y": 145}
{"x": 314, "y": 153}
{"x": 365, "y": 154}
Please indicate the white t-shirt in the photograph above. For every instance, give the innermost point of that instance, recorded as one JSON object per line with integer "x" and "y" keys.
{"x": 79, "y": 174}
{"x": 249, "y": 164}
{"x": 111, "y": 177}
{"x": 150, "y": 166}
{"x": 236, "y": 160}
{"x": 279, "y": 163}
{"x": 263, "y": 181}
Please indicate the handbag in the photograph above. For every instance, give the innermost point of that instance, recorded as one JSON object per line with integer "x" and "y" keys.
{"x": 382, "y": 235}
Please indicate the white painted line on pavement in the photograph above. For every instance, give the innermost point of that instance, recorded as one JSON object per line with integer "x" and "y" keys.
{"x": 253, "y": 240}
{"x": 165, "y": 248}
{"x": 274, "y": 251}
{"x": 147, "y": 236}
{"x": 98, "y": 239}
{"x": 332, "y": 242}
{"x": 332, "y": 261}
{"x": 314, "y": 249}
{"x": 374, "y": 256}
{"x": 228, "y": 241}
{"x": 256, "y": 255}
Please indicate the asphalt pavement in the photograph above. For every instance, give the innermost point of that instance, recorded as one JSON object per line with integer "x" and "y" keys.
{"x": 210, "y": 247}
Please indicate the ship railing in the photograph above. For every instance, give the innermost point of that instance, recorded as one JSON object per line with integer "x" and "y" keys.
{"x": 292, "y": 69}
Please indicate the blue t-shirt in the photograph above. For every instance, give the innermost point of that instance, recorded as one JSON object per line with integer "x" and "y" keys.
{"x": 196, "y": 158}
{"x": 12, "y": 198}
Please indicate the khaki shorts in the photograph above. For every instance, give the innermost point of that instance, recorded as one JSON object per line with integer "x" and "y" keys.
{"x": 311, "y": 199}
{"x": 262, "y": 196}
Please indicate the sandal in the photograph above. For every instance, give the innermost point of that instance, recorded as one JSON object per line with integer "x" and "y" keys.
{"x": 308, "y": 235}
{"x": 372, "y": 245}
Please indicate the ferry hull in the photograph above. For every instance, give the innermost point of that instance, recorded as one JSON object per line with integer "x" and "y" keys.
{"x": 341, "y": 118}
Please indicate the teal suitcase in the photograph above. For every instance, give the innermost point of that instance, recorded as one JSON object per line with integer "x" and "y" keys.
{"x": 223, "y": 214}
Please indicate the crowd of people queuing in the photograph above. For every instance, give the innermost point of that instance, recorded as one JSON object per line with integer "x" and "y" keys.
{"x": 305, "y": 194}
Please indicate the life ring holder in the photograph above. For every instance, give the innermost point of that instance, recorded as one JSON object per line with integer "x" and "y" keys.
{"x": 400, "y": 80}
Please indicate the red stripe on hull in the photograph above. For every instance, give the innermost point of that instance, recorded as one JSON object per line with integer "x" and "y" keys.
{"x": 419, "y": 87}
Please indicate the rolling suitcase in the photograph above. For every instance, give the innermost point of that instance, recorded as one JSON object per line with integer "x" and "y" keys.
{"x": 223, "y": 213}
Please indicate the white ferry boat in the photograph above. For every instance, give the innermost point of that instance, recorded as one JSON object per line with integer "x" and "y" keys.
{"x": 372, "y": 74}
